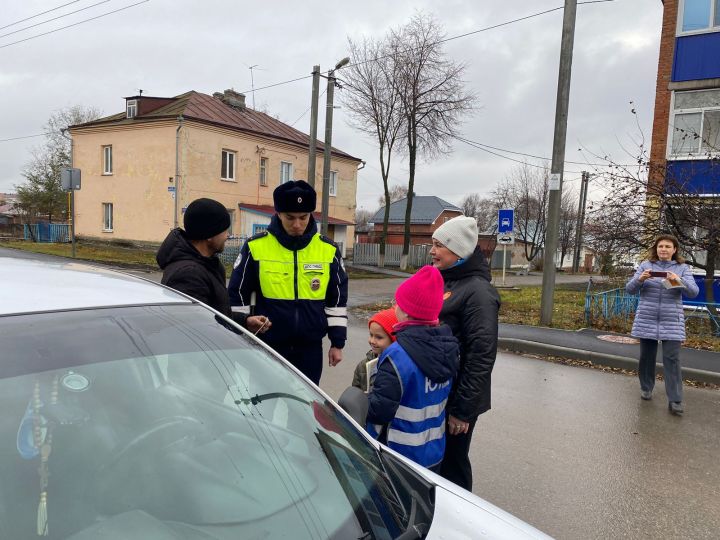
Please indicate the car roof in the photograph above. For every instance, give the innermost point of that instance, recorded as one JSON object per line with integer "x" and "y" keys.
{"x": 30, "y": 286}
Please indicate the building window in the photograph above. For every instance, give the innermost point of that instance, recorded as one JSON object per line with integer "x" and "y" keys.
{"x": 107, "y": 160}
{"x": 227, "y": 171}
{"x": 695, "y": 123}
{"x": 699, "y": 15}
{"x": 131, "y": 108}
{"x": 263, "y": 171}
{"x": 285, "y": 172}
{"x": 231, "y": 211}
{"x": 107, "y": 217}
{"x": 332, "y": 189}
{"x": 259, "y": 227}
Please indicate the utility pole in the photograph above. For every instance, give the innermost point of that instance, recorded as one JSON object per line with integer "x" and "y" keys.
{"x": 558, "y": 160}
{"x": 71, "y": 193}
{"x": 580, "y": 220}
{"x": 252, "y": 83}
{"x": 313, "y": 125}
{"x": 328, "y": 145}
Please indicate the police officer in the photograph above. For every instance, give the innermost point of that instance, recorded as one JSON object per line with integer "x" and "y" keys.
{"x": 299, "y": 282}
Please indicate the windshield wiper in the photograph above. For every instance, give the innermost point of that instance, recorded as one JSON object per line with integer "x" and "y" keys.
{"x": 414, "y": 530}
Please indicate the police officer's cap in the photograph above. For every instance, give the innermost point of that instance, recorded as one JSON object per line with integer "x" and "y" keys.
{"x": 294, "y": 196}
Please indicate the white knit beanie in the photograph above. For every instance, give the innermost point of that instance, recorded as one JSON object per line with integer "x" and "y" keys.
{"x": 459, "y": 235}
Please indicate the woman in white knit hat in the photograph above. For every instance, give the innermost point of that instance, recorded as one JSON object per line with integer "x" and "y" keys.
{"x": 470, "y": 309}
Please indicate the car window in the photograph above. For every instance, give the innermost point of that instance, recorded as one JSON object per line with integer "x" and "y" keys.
{"x": 170, "y": 422}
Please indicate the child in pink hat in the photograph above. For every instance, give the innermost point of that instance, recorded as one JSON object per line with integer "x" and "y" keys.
{"x": 407, "y": 402}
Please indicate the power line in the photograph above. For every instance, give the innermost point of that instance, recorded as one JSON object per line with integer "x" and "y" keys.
{"x": 477, "y": 146}
{"x": 537, "y": 157}
{"x": 440, "y": 41}
{"x": 307, "y": 110}
{"x": 37, "y": 15}
{"x": 53, "y": 19}
{"x": 24, "y": 137}
{"x": 74, "y": 24}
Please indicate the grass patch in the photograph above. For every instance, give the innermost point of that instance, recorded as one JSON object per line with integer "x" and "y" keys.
{"x": 522, "y": 306}
{"x": 131, "y": 257}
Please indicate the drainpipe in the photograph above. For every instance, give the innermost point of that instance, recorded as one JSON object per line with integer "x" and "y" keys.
{"x": 177, "y": 169}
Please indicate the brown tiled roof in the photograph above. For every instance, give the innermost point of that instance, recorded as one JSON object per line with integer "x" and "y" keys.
{"x": 270, "y": 211}
{"x": 208, "y": 109}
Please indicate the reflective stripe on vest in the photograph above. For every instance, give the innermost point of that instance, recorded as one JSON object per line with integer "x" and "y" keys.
{"x": 279, "y": 273}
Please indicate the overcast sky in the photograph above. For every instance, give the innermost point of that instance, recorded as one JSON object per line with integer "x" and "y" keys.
{"x": 169, "y": 47}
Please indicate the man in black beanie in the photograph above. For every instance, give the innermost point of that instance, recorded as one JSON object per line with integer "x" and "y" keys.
{"x": 298, "y": 280}
{"x": 190, "y": 264}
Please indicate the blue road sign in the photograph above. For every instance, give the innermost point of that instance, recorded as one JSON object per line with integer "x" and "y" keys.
{"x": 506, "y": 220}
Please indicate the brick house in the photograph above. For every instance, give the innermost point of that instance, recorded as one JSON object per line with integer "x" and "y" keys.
{"x": 428, "y": 213}
{"x": 686, "y": 125}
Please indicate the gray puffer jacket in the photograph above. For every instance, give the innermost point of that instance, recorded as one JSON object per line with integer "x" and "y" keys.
{"x": 660, "y": 313}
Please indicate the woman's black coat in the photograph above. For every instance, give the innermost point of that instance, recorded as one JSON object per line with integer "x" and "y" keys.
{"x": 471, "y": 310}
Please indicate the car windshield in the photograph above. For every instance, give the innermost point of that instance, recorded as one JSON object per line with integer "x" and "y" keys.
{"x": 168, "y": 422}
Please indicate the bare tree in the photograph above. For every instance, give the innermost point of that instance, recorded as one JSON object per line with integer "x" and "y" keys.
{"x": 41, "y": 194}
{"x": 651, "y": 198}
{"x": 362, "y": 217}
{"x": 568, "y": 224}
{"x": 374, "y": 104}
{"x": 610, "y": 231}
{"x": 526, "y": 190}
{"x": 484, "y": 210}
{"x": 432, "y": 97}
{"x": 397, "y": 192}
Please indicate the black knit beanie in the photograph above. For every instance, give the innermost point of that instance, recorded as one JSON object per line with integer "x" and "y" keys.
{"x": 294, "y": 196}
{"x": 204, "y": 218}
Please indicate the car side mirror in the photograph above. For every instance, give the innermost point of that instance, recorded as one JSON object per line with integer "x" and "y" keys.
{"x": 355, "y": 402}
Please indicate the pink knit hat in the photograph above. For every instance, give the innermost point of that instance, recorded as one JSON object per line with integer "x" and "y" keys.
{"x": 421, "y": 295}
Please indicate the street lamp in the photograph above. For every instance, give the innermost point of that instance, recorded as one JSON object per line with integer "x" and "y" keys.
{"x": 328, "y": 144}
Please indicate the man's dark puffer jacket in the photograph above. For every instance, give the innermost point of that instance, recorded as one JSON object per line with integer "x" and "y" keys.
{"x": 186, "y": 270}
{"x": 471, "y": 310}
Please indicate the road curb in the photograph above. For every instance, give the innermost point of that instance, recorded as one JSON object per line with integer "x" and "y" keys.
{"x": 603, "y": 359}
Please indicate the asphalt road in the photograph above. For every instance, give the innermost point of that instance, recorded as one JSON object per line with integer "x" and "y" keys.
{"x": 577, "y": 453}
{"x": 574, "y": 451}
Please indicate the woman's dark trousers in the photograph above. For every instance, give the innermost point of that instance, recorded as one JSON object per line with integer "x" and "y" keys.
{"x": 671, "y": 367}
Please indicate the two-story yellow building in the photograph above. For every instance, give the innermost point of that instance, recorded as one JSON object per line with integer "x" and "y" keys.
{"x": 141, "y": 168}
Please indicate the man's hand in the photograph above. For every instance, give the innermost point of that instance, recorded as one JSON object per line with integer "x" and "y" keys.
{"x": 258, "y": 324}
{"x": 334, "y": 356}
{"x": 457, "y": 426}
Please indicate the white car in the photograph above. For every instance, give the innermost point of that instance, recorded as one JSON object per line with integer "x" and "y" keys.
{"x": 132, "y": 411}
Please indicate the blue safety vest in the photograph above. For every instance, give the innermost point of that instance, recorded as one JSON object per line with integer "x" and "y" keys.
{"x": 418, "y": 429}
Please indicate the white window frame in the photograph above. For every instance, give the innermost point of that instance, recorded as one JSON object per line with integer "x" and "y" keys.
{"x": 108, "y": 219}
{"x": 700, "y": 154}
{"x": 712, "y": 27}
{"x": 131, "y": 108}
{"x": 107, "y": 159}
{"x": 231, "y": 212}
{"x": 229, "y": 174}
{"x": 263, "y": 171}
{"x": 332, "y": 184}
{"x": 289, "y": 169}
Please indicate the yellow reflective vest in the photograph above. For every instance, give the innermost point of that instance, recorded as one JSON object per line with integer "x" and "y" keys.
{"x": 293, "y": 275}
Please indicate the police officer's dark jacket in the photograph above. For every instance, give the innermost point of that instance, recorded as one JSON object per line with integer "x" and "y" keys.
{"x": 299, "y": 283}
{"x": 187, "y": 270}
{"x": 471, "y": 310}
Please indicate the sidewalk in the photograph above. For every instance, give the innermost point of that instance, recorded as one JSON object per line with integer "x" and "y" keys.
{"x": 699, "y": 365}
